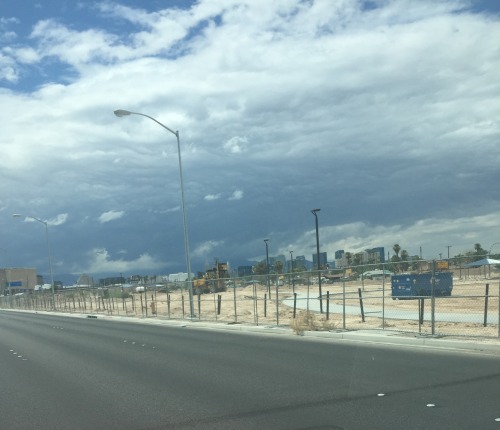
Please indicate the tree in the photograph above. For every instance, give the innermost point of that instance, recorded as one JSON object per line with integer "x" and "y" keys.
{"x": 479, "y": 250}
{"x": 358, "y": 259}
{"x": 477, "y": 253}
{"x": 348, "y": 257}
{"x": 278, "y": 265}
{"x": 404, "y": 257}
{"x": 396, "y": 248}
{"x": 260, "y": 268}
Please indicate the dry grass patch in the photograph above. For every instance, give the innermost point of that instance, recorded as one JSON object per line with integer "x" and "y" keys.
{"x": 308, "y": 321}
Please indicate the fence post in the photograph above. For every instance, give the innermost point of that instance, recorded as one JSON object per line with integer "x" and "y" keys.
{"x": 215, "y": 306}
{"x": 256, "y": 304}
{"x": 421, "y": 312}
{"x": 277, "y": 305}
{"x": 168, "y": 305}
{"x": 383, "y": 297}
{"x": 294, "y": 304}
{"x": 199, "y": 305}
{"x": 327, "y": 305}
{"x": 343, "y": 302}
{"x": 182, "y": 301}
{"x": 361, "y": 304}
{"x": 265, "y": 305}
{"x": 433, "y": 297}
{"x": 486, "y": 305}
{"x": 235, "y": 311}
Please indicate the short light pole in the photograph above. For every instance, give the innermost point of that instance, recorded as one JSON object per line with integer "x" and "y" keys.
{"x": 122, "y": 112}
{"x": 267, "y": 267}
{"x": 314, "y": 212}
{"x": 48, "y": 253}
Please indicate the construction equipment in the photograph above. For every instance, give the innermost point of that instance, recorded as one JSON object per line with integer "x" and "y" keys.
{"x": 213, "y": 280}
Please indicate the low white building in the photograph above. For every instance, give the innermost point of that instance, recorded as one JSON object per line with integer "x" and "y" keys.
{"x": 179, "y": 277}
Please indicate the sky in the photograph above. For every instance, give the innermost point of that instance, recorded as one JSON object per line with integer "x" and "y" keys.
{"x": 384, "y": 114}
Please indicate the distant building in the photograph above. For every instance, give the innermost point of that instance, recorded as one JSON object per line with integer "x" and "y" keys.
{"x": 376, "y": 255}
{"x": 85, "y": 281}
{"x": 116, "y": 280}
{"x": 274, "y": 260}
{"x": 340, "y": 260}
{"x": 299, "y": 263}
{"x": 179, "y": 277}
{"x": 17, "y": 280}
{"x": 245, "y": 271}
{"x": 323, "y": 261}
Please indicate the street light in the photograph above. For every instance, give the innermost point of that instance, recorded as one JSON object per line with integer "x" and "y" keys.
{"x": 267, "y": 267}
{"x": 48, "y": 252}
{"x": 314, "y": 212}
{"x": 122, "y": 112}
{"x": 291, "y": 271}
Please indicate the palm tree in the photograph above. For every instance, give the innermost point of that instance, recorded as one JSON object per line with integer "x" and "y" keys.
{"x": 396, "y": 248}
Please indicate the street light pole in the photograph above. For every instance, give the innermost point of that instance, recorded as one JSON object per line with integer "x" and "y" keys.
{"x": 314, "y": 212}
{"x": 45, "y": 223}
{"x": 291, "y": 271}
{"x": 267, "y": 268}
{"x": 122, "y": 112}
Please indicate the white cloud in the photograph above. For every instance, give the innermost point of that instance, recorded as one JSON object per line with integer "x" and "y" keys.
{"x": 101, "y": 262}
{"x": 236, "y": 145}
{"x": 237, "y": 195}
{"x": 422, "y": 235}
{"x": 110, "y": 216}
{"x": 205, "y": 249}
{"x": 210, "y": 197}
{"x": 58, "y": 220}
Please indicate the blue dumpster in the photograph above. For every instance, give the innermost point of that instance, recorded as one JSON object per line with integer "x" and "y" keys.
{"x": 409, "y": 286}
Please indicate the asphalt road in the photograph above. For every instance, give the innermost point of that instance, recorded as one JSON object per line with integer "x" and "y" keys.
{"x": 78, "y": 373}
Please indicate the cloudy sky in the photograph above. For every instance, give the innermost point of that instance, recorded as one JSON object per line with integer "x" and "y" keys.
{"x": 385, "y": 114}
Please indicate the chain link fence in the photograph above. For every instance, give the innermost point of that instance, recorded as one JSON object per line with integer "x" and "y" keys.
{"x": 355, "y": 298}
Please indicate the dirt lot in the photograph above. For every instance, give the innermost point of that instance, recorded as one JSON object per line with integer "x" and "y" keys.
{"x": 252, "y": 305}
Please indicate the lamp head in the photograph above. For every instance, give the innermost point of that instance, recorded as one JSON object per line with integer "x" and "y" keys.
{"x": 17, "y": 215}
{"x": 315, "y": 210}
{"x": 122, "y": 112}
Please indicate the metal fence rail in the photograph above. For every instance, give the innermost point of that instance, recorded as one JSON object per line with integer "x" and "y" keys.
{"x": 349, "y": 303}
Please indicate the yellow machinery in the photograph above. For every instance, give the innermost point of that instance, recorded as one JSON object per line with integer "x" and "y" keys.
{"x": 213, "y": 280}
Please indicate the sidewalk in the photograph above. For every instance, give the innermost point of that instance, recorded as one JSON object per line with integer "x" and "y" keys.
{"x": 314, "y": 306}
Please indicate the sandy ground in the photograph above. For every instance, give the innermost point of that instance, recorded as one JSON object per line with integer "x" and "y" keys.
{"x": 252, "y": 305}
